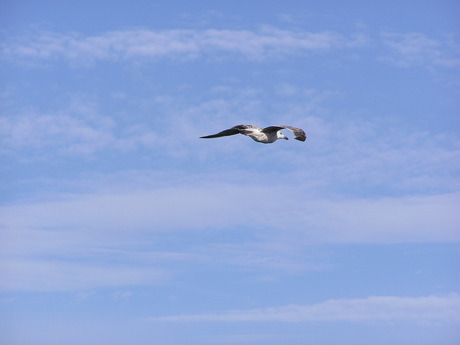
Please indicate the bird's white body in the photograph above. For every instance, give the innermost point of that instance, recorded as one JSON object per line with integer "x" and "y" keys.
{"x": 258, "y": 135}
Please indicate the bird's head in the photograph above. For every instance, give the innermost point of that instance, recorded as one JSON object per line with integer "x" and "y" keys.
{"x": 280, "y": 135}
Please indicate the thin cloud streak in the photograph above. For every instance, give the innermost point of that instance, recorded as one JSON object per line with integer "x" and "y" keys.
{"x": 66, "y": 275}
{"x": 354, "y": 220}
{"x": 42, "y": 239}
{"x": 347, "y": 153}
{"x": 375, "y": 308}
{"x": 121, "y": 45}
{"x": 68, "y": 134}
{"x": 403, "y": 49}
{"x": 417, "y": 49}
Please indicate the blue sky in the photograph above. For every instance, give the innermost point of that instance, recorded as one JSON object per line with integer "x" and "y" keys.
{"x": 118, "y": 225}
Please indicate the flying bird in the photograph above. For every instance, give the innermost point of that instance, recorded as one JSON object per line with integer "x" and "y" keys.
{"x": 265, "y": 135}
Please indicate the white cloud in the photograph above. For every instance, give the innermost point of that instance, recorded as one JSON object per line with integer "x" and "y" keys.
{"x": 344, "y": 153}
{"x": 69, "y": 134}
{"x": 378, "y": 308}
{"x": 418, "y": 49}
{"x": 144, "y": 43}
{"x": 214, "y": 206}
{"x": 32, "y": 274}
{"x": 42, "y": 239}
{"x": 405, "y": 49}
{"x": 404, "y": 219}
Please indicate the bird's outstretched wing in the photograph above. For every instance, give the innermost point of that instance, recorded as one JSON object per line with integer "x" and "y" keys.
{"x": 231, "y": 131}
{"x": 299, "y": 134}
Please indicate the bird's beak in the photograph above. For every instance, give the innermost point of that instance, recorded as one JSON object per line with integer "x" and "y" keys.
{"x": 286, "y": 138}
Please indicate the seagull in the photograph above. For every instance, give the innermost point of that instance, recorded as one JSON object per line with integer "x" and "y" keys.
{"x": 265, "y": 135}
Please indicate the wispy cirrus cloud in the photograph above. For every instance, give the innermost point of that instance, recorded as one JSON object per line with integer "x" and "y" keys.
{"x": 213, "y": 206}
{"x": 69, "y": 134}
{"x": 404, "y": 49}
{"x": 43, "y": 238}
{"x": 180, "y": 43}
{"x": 375, "y": 308}
{"x": 61, "y": 275}
{"x": 343, "y": 154}
{"x": 409, "y": 49}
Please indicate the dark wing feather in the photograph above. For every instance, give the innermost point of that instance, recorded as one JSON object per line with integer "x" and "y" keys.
{"x": 231, "y": 131}
{"x": 299, "y": 134}
{"x": 272, "y": 129}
